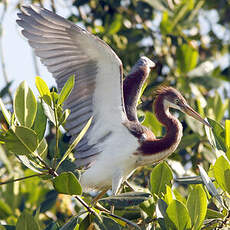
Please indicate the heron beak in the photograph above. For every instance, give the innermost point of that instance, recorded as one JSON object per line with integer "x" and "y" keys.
{"x": 191, "y": 112}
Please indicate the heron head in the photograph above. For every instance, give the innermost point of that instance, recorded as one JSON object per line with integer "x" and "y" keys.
{"x": 174, "y": 99}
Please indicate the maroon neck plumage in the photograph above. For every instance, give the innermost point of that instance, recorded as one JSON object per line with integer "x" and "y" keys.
{"x": 132, "y": 87}
{"x": 173, "y": 131}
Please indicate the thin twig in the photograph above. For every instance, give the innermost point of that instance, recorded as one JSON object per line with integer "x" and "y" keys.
{"x": 90, "y": 210}
{"x": 55, "y": 174}
{"x": 57, "y": 138}
{"x": 19, "y": 179}
{"x": 51, "y": 171}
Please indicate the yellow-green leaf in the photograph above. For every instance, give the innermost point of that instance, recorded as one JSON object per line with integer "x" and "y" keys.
{"x": 227, "y": 133}
{"x": 178, "y": 215}
{"x": 21, "y": 140}
{"x": 75, "y": 142}
{"x": 197, "y": 206}
{"x": 40, "y": 122}
{"x": 27, "y": 222}
{"x": 187, "y": 58}
{"x": 212, "y": 214}
{"x": 222, "y": 173}
{"x": 218, "y": 137}
{"x": 43, "y": 90}
{"x": 25, "y": 105}
{"x": 5, "y": 112}
{"x": 67, "y": 183}
{"x": 66, "y": 90}
{"x": 42, "y": 148}
{"x": 168, "y": 197}
{"x": 5, "y": 210}
{"x": 151, "y": 122}
{"x": 160, "y": 177}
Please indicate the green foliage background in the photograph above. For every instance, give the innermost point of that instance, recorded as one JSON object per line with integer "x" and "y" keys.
{"x": 188, "y": 43}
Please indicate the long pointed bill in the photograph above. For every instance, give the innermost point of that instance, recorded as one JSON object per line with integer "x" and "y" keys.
{"x": 191, "y": 112}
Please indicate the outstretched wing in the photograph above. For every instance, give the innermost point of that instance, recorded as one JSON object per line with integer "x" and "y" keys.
{"x": 133, "y": 84}
{"x": 67, "y": 49}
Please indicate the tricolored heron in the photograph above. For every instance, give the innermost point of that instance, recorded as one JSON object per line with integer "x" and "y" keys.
{"x": 116, "y": 143}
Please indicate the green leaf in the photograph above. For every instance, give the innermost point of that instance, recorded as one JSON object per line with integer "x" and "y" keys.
{"x": 178, "y": 215}
{"x": 109, "y": 223}
{"x": 166, "y": 25}
{"x": 187, "y": 58}
{"x": 188, "y": 140}
{"x": 26, "y": 222}
{"x": 49, "y": 112}
{"x": 210, "y": 83}
{"x": 115, "y": 25}
{"x": 42, "y": 148}
{"x": 21, "y": 140}
{"x": 178, "y": 196}
{"x": 49, "y": 201}
{"x": 218, "y": 135}
{"x": 161, "y": 176}
{"x": 52, "y": 226}
{"x": 43, "y": 90}
{"x": 5, "y": 210}
{"x": 152, "y": 123}
{"x": 227, "y": 133}
{"x": 64, "y": 117}
{"x": 212, "y": 214}
{"x": 28, "y": 163}
{"x": 25, "y": 105}
{"x": 168, "y": 197}
{"x": 40, "y": 122}
{"x": 66, "y": 90}
{"x": 228, "y": 154}
{"x": 85, "y": 223}
{"x": 67, "y": 183}
{"x": 70, "y": 225}
{"x": 222, "y": 173}
{"x": 124, "y": 220}
{"x": 75, "y": 142}
{"x": 6, "y": 160}
{"x": 5, "y": 112}
{"x": 220, "y": 107}
{"x": 127, "y": 199}
{"x": 148, "y": 206}
{"x": 197, "y": 206}
{"x": 209, "y": 185}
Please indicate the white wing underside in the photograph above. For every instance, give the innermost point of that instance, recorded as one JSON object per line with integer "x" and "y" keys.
{"x": 67, "y": 49}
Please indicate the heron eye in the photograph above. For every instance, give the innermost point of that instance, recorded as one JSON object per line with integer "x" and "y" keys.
{"x": 177, "y": 101}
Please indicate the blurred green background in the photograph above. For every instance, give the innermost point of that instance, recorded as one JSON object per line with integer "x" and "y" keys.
{"x": 189, "y": 40}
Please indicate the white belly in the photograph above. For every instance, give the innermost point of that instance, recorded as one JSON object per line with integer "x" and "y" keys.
{"x": 117, "y": 156}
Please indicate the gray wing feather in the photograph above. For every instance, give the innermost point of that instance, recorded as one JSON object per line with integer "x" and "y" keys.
{"x": 67, "y": 49}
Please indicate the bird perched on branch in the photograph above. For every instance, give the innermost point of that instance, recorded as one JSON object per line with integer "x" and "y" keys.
{"x": 116, "y": 143}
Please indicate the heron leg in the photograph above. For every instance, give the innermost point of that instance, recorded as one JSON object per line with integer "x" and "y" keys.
{"x": 117, "y": 181}
{"x": 116, "y": 184}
